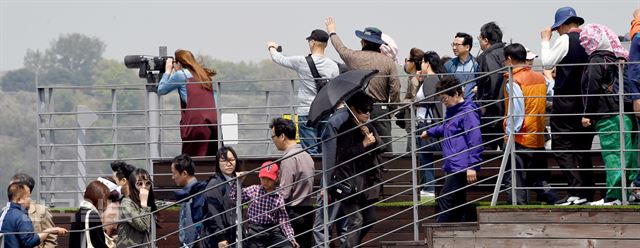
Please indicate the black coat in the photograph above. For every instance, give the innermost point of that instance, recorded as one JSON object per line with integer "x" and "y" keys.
{"x": 222, "y": 210}
{"x": 350, "y": 146}
{"x": 600, "y": 79}
{"x": 490, "y": 87}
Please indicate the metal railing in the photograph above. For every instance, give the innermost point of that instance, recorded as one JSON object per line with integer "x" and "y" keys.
{"x": 48, "y": 148}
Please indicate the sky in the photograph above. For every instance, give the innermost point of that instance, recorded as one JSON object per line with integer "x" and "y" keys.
{"x": 238, "y": 30}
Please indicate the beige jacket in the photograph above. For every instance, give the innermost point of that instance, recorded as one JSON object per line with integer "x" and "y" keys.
{"x": 409, "y": 97}
{"x": 385, "y": 86}
{"x": 42, "y": 219}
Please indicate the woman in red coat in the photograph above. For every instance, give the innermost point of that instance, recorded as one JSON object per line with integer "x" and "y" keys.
{"x": 198, "y": 124}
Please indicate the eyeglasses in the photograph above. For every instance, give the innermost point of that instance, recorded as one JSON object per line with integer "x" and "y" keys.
{"x": 407, "y": 60}
{"x": 456, "y": 44}
{"x": 273, "y": 136}
{"x": 223, "y": 161}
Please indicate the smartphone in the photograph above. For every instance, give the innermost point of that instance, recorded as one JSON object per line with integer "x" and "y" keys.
{"x": 279, "y": 49}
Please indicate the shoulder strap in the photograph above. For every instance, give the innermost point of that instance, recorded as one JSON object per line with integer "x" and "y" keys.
{"x": 86, "y": 230}
{"x": 312, "y": 67}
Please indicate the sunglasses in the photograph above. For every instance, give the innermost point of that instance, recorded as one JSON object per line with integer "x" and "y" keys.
{"x": 145, "y": 184}
{"x": 366, "y": 110}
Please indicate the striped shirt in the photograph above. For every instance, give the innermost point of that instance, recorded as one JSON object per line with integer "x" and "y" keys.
{"x": 265, "y": 209}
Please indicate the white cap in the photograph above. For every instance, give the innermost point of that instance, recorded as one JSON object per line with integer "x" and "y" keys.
{"x": 112, "y": 186}
{"x": 530, "y": 54}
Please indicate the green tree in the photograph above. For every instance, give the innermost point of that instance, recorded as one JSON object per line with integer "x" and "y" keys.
{"x": 19, "y": 80}
{"x": 71, "y": 58}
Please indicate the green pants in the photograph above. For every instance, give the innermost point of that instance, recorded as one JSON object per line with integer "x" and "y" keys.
{"x": 612, "y": 161}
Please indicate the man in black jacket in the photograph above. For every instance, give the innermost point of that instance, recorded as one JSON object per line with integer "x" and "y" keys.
{"x": 490, "y": 86}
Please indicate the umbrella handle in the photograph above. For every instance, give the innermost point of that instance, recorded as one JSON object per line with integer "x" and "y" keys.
{"x": 364, "y": 129}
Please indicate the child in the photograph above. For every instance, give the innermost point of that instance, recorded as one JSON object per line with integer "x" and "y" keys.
{"x": 266, "y": 211}
{"x": 461, "y": 147}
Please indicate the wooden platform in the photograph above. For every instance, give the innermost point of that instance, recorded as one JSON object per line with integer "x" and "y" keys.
{"x": 543, "y": 227}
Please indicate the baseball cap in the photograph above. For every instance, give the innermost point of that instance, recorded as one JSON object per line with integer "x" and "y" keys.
{"x": 269, "y": 170}
{"x": 530, "y": 54}
{"x": 318, "y": 35}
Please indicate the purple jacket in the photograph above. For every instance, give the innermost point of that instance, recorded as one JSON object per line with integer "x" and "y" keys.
{"x": 460, "y": 131}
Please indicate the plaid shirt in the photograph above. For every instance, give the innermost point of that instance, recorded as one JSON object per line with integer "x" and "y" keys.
{"x": 266, "y": 208}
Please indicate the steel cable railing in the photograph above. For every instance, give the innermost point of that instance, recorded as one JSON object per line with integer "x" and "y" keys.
{"x": 512, "y": 151}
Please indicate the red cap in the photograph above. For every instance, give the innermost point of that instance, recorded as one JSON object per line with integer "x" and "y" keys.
{"x": 269, "y": 170}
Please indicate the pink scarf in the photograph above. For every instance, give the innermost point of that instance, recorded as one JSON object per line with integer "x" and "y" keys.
{"x": 595, "y": 37}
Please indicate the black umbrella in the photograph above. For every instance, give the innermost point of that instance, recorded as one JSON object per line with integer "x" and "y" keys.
{"x": 336, "y": 91}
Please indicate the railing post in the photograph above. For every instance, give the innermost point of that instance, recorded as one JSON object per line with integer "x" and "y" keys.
{"x": 414, "y": 175}
{"x": 511, "y": 127}
{"x": 325, "y": 202}
{"x": 239, "y": 212}
{"x": 623, "y": 178}
{"x": 267, "y": 112}
{"x": 218, "y": 90}
{"x": 1, "y": 240}
{"x": 292, "y": 101}
{"x": 503, "y": 165}
{"x": 114, "y": 124}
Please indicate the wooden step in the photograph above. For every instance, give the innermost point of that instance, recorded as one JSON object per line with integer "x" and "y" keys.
{"x": 545, "y": 231}
{"x": 531, "y": 243}
{"x": 433, "y": 229}
{"x": 559, "y": 215}
{"x": 394, "y": 244}
{"x": 540, "y": 227}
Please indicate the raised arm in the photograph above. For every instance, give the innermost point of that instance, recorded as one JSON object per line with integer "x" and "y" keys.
{"x": 550, "y": 56}
{"x": 345, "y": 53}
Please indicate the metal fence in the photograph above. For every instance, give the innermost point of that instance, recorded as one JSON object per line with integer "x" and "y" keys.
{"x": 57, "y": 158}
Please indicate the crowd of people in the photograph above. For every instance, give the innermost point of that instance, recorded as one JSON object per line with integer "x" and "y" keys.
{"x": 117, "y": 210}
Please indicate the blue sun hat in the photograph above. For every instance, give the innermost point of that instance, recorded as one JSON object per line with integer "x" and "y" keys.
{"x": 371, "y": 34}
{"x": 565, "y": 14}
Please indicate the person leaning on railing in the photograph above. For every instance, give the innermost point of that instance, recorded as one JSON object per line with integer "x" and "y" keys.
{"x": 198, "y": 116}
{"x": 461, "y": 148}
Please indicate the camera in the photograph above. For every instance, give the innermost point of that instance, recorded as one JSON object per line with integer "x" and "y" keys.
{"x": 147, "y": 64}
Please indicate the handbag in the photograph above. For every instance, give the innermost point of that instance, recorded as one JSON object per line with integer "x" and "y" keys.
{"x": 342, "y": 188}
{"x": 400, "y": 120}
{"x": 314, "y": 71}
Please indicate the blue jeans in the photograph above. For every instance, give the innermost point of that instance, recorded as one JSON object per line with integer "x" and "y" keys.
{"x": 308, "y": 136}
{"x": 425, "y": 159}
